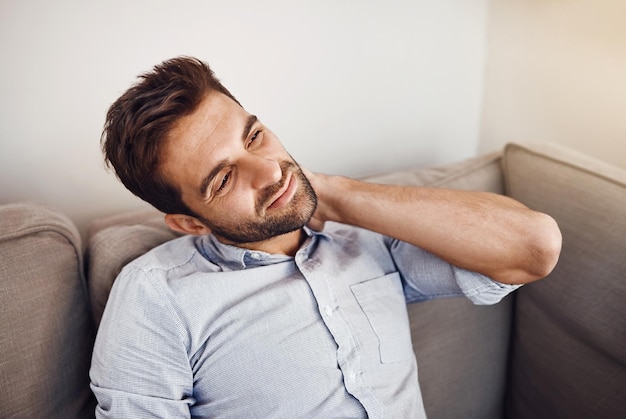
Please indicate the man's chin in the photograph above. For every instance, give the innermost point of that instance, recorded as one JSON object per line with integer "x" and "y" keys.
{"x": 255, "y": 241}
{"x": 258, "y": 233}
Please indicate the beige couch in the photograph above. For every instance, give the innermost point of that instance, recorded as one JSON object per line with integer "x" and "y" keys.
{"x": 553, "y": 349}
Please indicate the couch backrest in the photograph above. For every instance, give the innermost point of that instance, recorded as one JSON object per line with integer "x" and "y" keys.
{"x": 46, "y": 327}
{"x": 569, "y": 347}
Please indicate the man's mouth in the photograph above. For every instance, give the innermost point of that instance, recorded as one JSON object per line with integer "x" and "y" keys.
{"x": 285, "y": 194}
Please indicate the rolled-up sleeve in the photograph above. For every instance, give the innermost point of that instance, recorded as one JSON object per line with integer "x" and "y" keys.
{"x": 481, "y": 289}
{"x": 427, "y": 277}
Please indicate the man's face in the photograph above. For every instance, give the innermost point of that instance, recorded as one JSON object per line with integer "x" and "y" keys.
{"x": 235, "y": 174}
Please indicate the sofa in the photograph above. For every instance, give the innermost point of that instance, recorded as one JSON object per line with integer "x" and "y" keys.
{"x": 555, "y": 348}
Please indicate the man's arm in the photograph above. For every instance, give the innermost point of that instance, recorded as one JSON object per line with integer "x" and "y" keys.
{"x": 139, "y": 364}
{"x": 478, "y": 231}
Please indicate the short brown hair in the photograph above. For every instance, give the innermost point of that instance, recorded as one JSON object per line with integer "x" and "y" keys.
{"x": 138, "y": 122}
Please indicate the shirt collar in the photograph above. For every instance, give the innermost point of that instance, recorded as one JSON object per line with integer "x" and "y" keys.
{"x": 231, "y": 258}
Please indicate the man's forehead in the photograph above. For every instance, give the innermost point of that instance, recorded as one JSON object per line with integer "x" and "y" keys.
{"x": 207, "y": 133}
{"x": 217, "y": 115}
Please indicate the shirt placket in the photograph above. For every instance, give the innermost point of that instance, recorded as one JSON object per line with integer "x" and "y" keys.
{"x": 322, "y": 285}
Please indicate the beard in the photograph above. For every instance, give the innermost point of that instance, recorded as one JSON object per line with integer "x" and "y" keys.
{"x": 264, "y": 226}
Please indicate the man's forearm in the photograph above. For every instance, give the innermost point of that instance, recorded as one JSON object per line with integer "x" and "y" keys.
{"x": 484, "y": 232}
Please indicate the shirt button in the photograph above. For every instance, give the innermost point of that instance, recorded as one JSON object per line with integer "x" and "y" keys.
{"x": 255, "y": 256}
{"x": 352, "y": 376}
{"x": 328, "y": 311}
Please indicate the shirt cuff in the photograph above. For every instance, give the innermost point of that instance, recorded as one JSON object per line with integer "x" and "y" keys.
{"x": 480, "y": 289}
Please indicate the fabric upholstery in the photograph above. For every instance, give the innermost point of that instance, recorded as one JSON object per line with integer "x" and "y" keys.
{"x": 480, "y": 173}
{"x": 113, "y": 242}
{"x": 568, "y": 357}
{"x": 569, "y": 349}
{"x": 47, "y": 331}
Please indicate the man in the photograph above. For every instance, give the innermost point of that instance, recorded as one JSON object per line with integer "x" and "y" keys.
{"x": 287, "y": 295}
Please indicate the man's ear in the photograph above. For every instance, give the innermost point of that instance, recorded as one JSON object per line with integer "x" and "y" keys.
{"x": 186, "y": 224}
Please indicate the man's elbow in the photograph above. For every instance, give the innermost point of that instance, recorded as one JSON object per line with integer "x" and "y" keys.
{"x": 546, "y": 247}
{"x": 543, "y": 248}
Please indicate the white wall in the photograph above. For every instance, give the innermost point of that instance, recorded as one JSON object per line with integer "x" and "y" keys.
{"x": 351, "y": 87}
{"x": 556, "y": 71}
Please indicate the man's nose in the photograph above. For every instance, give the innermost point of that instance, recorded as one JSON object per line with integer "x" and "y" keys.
{"x": 262, "y": 171}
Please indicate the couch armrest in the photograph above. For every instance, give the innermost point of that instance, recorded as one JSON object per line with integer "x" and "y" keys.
{"x": 47, "y": 330}
{"x": 569, "y": 348}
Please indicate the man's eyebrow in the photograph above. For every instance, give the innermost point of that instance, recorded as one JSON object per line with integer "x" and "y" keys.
{"x": 212, "y": 174}
{"x": 251, "y": 121}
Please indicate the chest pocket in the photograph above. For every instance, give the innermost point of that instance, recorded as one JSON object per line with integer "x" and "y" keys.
{"x": 383, "y": 302}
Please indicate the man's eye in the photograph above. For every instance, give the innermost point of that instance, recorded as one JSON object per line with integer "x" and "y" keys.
{"x": 255, "y": 136}
{"x": 225, "y": 180}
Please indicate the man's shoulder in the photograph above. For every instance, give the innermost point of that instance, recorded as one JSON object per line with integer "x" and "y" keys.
{"x": 166, "y": 256}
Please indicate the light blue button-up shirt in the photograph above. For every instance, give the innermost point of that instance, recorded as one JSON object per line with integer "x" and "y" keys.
{"x": 202, "y": 329}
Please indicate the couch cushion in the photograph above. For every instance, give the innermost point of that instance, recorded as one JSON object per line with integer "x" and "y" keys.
{"x": 113, "y": 242}
{"x": 47, "y": 330}
{"x": 461, "y": 348}
{"x": 569, "y": 349}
